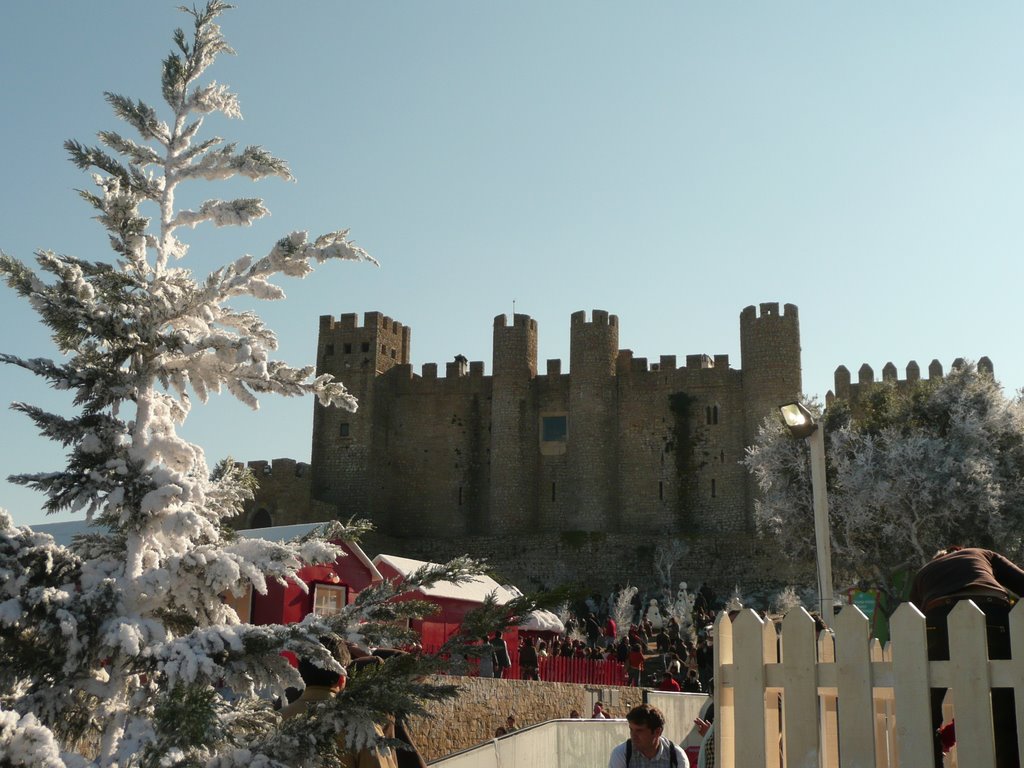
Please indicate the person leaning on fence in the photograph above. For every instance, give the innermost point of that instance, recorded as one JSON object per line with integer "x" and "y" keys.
{"x": 645, "y": 745}
{"x": 970, "y": 573}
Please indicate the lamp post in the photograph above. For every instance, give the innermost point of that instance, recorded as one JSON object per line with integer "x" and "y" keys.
{"x": 801, "y": 425}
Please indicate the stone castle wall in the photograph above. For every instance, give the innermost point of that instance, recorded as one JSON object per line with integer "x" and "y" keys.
{"x": 596, "y": 561}
{"x": 616, "y": 446}
{"x": 284, "y": 494}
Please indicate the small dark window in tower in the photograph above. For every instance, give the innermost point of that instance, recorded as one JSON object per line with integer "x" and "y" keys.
{"x": 383, "y": 349}
{"x": 261, "y": 519}
{"x": 713, "y": 490}
{"x": 661, "y": 490}
{"x": 554, "y": 429}
{"x": 708, "y": 414}
{"x": 392, "y": 354}
{"x": 343, "y": 429}
{"x": 329, "y": 349}
{"x": 460, "y": 495}
{"x": 552, "y": 491}
{"x": 721, "y": 457}
{"x": 365, "y": 346}
{"x": 347, "y": 348}
{"x": 714, "y": 415}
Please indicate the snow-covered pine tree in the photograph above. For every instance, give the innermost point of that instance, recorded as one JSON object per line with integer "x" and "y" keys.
{"x": 118, "y": 650}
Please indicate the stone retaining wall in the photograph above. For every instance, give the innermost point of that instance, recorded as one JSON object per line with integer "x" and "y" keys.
{"x": 484, "y": 703}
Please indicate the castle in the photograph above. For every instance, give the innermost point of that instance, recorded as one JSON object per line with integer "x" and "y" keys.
{"x": 553, "y": 477}
{"x": 616, "y": 443}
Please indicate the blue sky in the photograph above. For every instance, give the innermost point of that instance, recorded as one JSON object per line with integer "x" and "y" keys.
{"x": 670, "y": 162}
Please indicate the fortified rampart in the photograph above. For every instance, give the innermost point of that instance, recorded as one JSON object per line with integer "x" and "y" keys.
{"x": 284, "y": 494}
{"x": 851, "y": 391}
{"x": 613, "y": 445}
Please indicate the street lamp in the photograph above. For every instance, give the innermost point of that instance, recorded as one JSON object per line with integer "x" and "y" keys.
{"x": 801, "y": 425}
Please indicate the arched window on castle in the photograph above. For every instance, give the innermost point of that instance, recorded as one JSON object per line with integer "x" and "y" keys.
{"x": 261, "y": 519}
{"x": 712, "y": 414}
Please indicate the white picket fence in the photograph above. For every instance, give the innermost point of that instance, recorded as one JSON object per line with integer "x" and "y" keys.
{"x": 839, "y": 699}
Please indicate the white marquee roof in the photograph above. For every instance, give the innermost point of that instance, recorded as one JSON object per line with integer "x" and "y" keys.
{"x": 474, "y": 591}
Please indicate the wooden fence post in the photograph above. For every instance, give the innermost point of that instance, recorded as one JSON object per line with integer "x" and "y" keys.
{"x": 853, "y": 681}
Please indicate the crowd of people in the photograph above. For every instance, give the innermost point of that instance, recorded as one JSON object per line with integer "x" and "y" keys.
{"x": 652, "y": 650}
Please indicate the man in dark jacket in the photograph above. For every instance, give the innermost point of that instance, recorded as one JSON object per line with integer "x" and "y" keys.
{"x": 528, "y": 662}
{"x": 502, "y": 661}
{"x": 987, "y": 578}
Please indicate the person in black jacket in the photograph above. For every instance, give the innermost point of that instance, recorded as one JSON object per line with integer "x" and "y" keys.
{"x": 501, "y": 657}
{"x": 528, "y": 662}
{"x": 987, "y": 578}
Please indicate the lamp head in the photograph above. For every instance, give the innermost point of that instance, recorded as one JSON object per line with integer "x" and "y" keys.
{"x": 798, "y": 420}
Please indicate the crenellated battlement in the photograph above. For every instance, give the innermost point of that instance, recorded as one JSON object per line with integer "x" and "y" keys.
{"x": 377, "y": 345}
{"x": 278, "y": 468}
{"x": 524, "y": 322}
{"x": 846, "y": 389}
{"x": 371, "y": 321}
{"x": 767, "y": 310}
{"x": 598, "y": 317}
{"x": 626, "y": 363}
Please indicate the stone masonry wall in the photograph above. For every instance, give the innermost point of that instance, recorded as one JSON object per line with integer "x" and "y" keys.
{"x": 597, "y": 561}
{"x": 460, "y": 464}
{"x": 484, "y": 703}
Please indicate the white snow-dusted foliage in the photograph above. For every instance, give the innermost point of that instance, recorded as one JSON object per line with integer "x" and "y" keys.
{"x": 912, "y": 469}
{"x": 119, "y": 650}
{"x": 622, "y": 610}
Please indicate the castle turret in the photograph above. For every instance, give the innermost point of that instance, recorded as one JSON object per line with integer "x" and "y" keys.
{"x": 593, "y": 424}
{"x": 770, "y": 351}
{"x": 343, "y": 441}
{"x": 514, "y": 435}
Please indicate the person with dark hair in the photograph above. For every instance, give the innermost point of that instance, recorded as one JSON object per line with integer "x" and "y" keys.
{"x": 987, "y": 578}
{"x": 486, "y": 658}
{"x": 407, "y": 756}
{"x": 691, "y": 684}
{"x": 668, "y": 683}
{"x": 529, "y": 663}
{"x": 502, "y": 661}
{"x": 635, "y": 665}
{"x": 646, "y": 746}
{"x": 322, "y": 684}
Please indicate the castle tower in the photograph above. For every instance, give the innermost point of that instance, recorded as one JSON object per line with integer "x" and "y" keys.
{"x": 592, "y": 446}
{"x": 770, "y": 351}
{"x": 514, "y": 428}
{"x": 343, "y": 441}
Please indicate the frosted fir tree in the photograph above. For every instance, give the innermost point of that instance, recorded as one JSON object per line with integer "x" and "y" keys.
{"x": 622, "y": 610}
{"x": 680, "y": 607}
{"x": 119, "y": 650}
{"x": 913, "y": 469}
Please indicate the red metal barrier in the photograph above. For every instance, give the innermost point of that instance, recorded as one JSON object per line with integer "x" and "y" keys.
{"x": 560, "y": 669}
{"x": 553, "y": 669}
{"x": 568, "y": 670}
